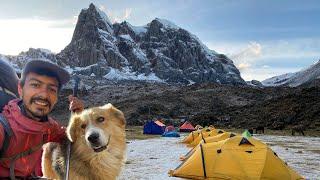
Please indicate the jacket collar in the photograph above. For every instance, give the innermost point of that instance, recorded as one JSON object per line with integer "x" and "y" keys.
{"x": 22, "y": 123}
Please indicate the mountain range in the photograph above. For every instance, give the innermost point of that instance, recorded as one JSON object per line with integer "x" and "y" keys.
{"x": 159, "y": 51}
{"x": 302, "y": 77}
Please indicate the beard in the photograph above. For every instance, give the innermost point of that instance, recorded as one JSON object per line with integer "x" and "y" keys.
{"x": 36, "y": 111}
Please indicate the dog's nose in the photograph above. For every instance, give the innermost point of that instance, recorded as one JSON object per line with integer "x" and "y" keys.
{"x": 93, "y": 138}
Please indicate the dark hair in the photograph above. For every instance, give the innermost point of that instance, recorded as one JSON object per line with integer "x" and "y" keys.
{"x": 42, "y": 72}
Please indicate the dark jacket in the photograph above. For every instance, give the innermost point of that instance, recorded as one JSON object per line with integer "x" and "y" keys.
{"x": 8, "y": 83}
{"x": 5, "y": 98}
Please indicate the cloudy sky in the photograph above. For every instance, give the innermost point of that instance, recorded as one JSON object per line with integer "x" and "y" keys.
{"x": 264, "y": 38}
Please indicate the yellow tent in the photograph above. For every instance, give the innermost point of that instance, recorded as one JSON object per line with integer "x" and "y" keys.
{"x": 234, "y": 158}
{"x": 210, "y": 139}
{"x": 203, "y": 135}
{"x": 194, "y": 134}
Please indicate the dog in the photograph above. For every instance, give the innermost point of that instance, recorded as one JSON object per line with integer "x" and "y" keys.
{"x": 298, "y": 129}
{"x": 98, "y": 146}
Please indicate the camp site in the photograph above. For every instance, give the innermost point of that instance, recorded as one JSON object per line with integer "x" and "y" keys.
{"x": 160, "y": 90}
{"x": 248, "y": 156}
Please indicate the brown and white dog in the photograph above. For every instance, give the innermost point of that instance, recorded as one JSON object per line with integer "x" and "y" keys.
{"x": 98, "y": 146}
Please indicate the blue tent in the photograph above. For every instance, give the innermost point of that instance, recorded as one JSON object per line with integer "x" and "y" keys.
{"x": 171, "y": 134}
{"x": 154, "y": 127}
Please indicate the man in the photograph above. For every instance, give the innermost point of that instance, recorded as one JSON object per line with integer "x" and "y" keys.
{"x": 28, "y": 118}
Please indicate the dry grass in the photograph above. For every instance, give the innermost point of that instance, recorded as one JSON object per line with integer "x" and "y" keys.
{"x": 286, "y": 132}
{"x": 136, "y": 132}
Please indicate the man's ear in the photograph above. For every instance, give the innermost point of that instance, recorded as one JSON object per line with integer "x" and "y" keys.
{"x": 71, "y": 128}
{"x": 20, "y": 89}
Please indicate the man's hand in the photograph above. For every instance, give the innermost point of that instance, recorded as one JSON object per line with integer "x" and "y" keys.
{"x": 76, "y": 105}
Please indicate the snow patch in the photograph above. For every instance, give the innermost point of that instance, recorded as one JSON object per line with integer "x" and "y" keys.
{"x": 141, "y": 55}
{"x": 138, "y": 29}
{"x": 126, "y": 37}
{"x": 210, "y": 53}
{"x": 107, "y": 38}
{"x": 127, "y": 74}
{"x": 167, "y": 24}
{"x": 191, "y": 82}
{"x": 105, "y": 19}
{"x": 278, "y": 80}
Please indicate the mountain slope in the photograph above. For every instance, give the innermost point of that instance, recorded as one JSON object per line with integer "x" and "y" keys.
{"x": 302, "y": 77}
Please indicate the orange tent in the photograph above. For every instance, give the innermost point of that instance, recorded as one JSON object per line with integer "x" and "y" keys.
{"x": 186, "y": 127}
{"x": 159, "y": 123}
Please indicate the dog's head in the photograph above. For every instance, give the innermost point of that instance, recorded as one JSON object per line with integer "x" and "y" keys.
{"x": 95, "y": 127}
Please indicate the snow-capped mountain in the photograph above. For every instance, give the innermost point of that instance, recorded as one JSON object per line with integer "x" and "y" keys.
{"x": 159, "y": 51}
{"x": 295, "y": 79}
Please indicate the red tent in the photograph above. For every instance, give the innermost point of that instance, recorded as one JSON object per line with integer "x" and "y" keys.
{"x": 186, "y": 127}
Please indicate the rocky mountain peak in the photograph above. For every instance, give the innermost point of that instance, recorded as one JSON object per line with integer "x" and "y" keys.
{"x": 90, "y": 21}
{"x": 93, "y": 33}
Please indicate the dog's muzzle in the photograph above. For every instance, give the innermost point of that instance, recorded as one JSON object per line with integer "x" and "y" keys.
{"x": 99, "y": 149}
{"x": 96, "y": 144}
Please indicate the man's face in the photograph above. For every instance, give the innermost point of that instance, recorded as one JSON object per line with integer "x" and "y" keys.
{"x": 39, "y": 94}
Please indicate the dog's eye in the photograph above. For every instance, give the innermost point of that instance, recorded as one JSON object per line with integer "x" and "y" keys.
{"x": 83, "y": 126}
{"x": 100, "y": 119}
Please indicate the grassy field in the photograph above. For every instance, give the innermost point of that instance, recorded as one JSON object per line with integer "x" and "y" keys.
{"x": 136, "y": 132}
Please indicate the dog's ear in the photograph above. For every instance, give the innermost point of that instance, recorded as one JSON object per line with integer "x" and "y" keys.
{"x": 71, "y": 129}
{"x": 119, "y": 115}
{"x": 107, "y": 106}
{"x": 116, "y": 112}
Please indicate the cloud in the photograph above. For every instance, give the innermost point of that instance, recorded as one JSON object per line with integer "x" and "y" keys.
{"x": 21, "y": 34}
{"x": 102, "y": 8}
{"x": 265, "y": 59}
{"x": 292, "y": 48}
{"x": 116, "y": 16}
{"x": 242, "y": 66}
{"x": 247, "y": 56}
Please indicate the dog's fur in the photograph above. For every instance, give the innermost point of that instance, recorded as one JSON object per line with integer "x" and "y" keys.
{"x": 92, "y": 157}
